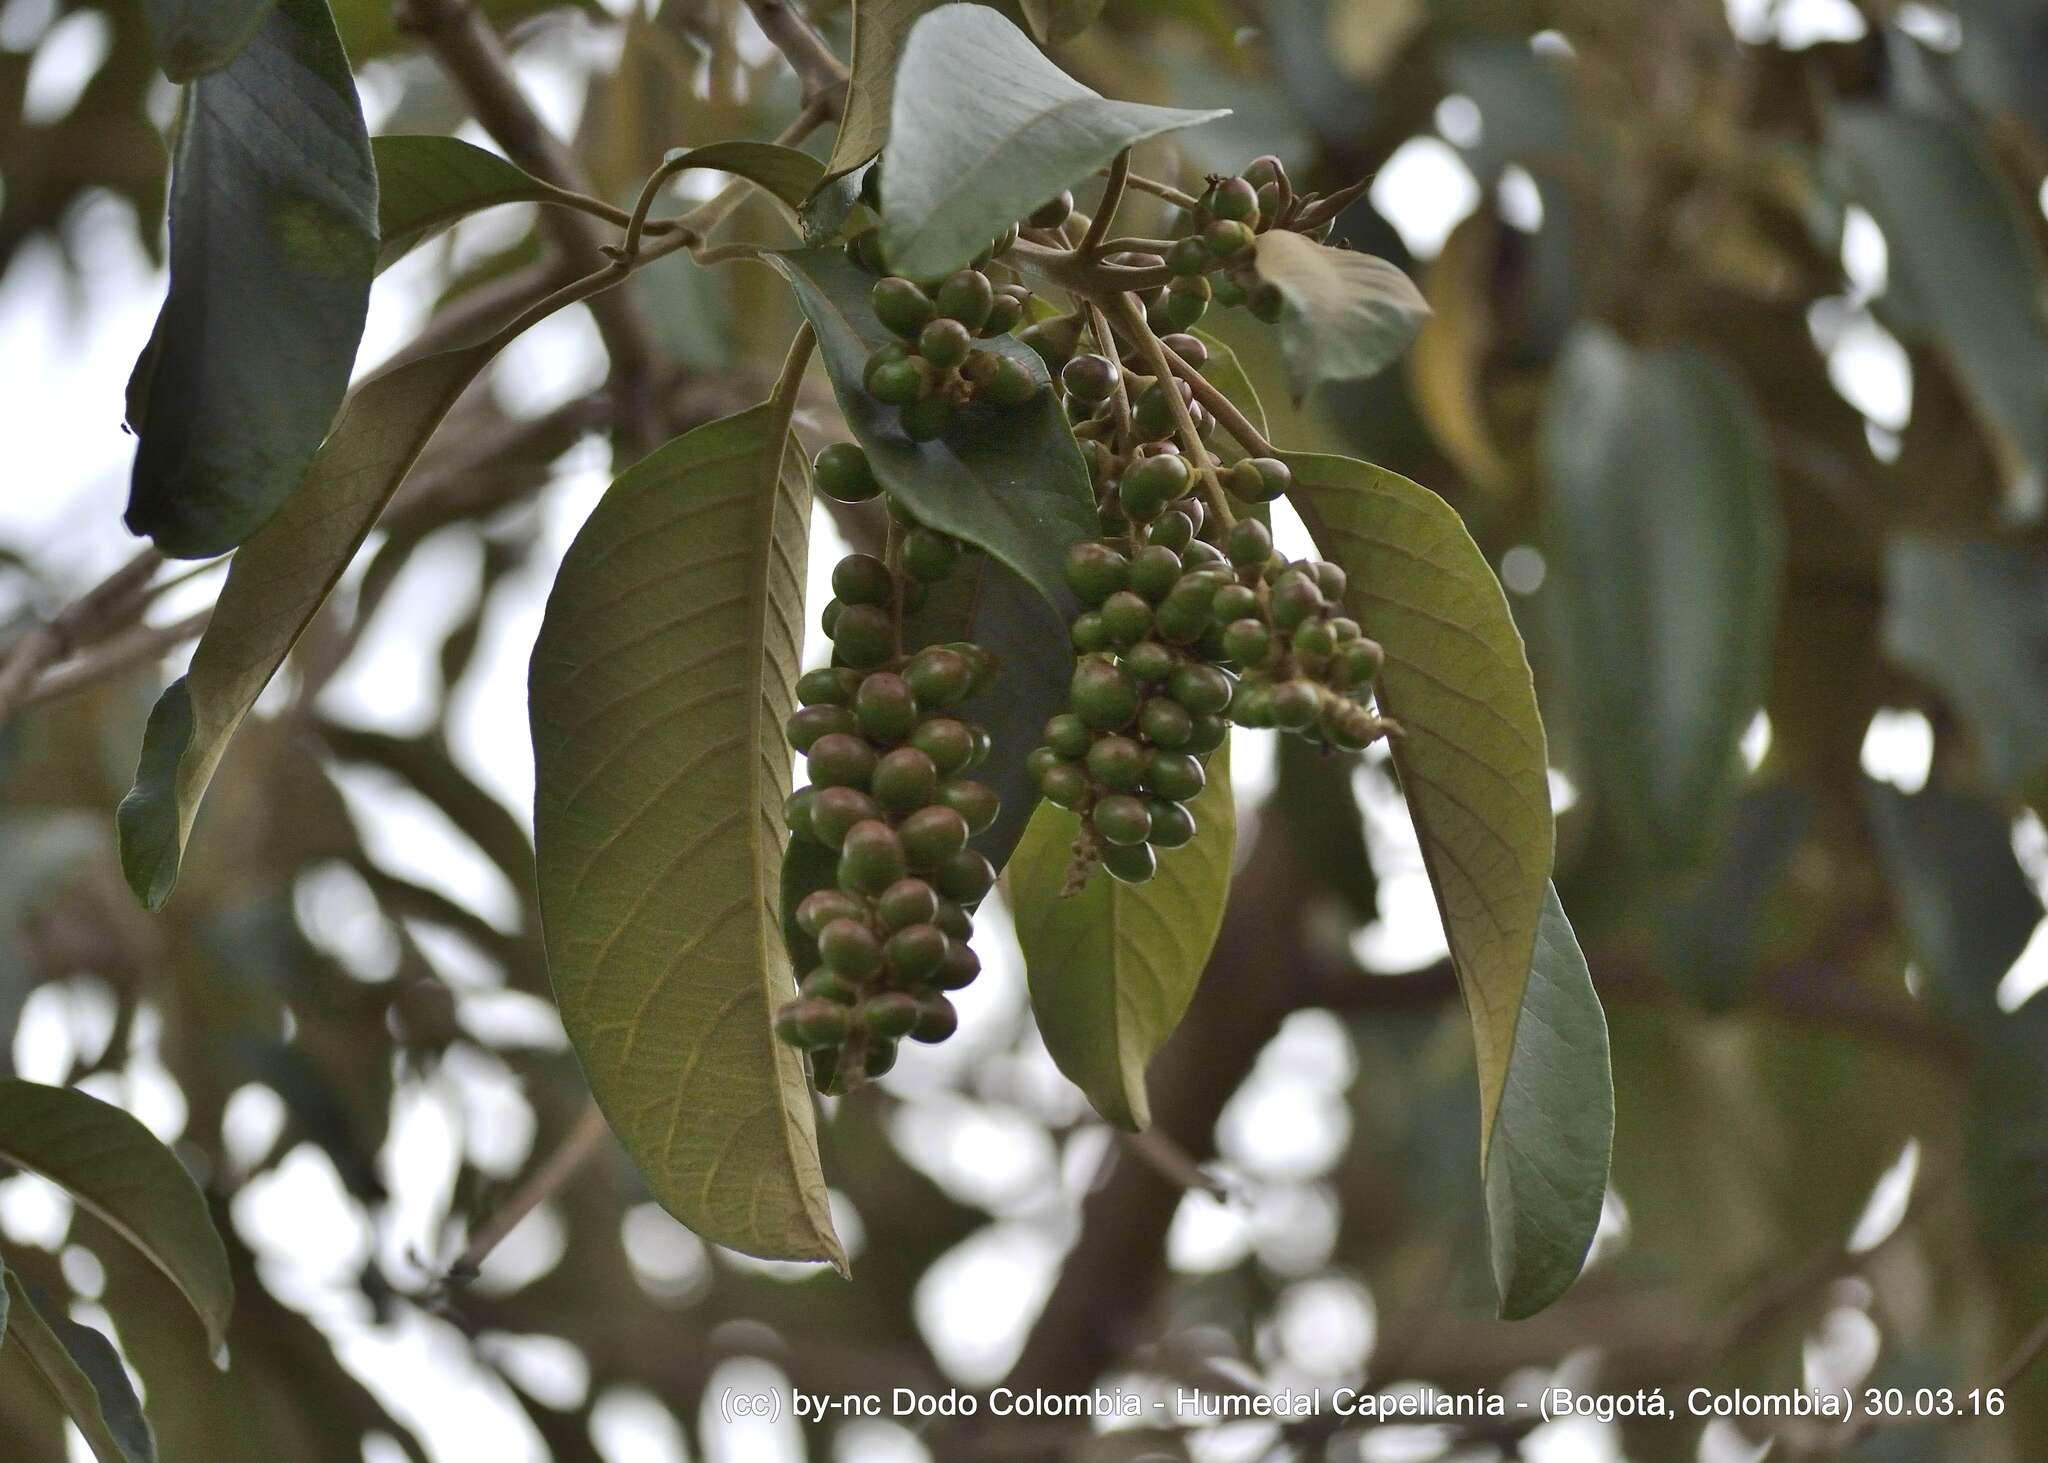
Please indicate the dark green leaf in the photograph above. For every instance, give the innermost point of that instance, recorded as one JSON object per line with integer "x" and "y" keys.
{"x": 1662, "y": 527}
{"x": 660, "y": 683}
{"x": 193, "y": 37}
{"x": 880, "y": 27}
{"x": 276, "y": 583}
{"x": 273, "y": 243}
{"x": 115, "y": 1167}
{"x": 1546, "y": 1166}
{"x": 79, "y": 1371}
{"x": 1009, "y": 480}
{"x": 1972, "y": 619}
{"x": 1962, "y": 256}
{"x": 986, "y": 602}
{"x": 1708, "y": 934}
{"x": 426, "y": 184}
{"x": 807, "y": 867}
{"x": 1347, "y": 315}
{"x": 1113, "y": 968}
{"x": 782, "y": 172}
{"x": 1061, "y": 20}
{"x": 2003, "y": 62}
{"x": 983, "y": 129}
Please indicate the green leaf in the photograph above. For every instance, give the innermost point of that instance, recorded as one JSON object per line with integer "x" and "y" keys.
{"x": 273, "y": 221}
{"x": 1471, "y": 756}
{"x": 1553, "y": 1136}
{"x": 782, "y": 172}
{"x": 1662, "y": 526}
{"x": 78, "y": 1370}
{"x": 880, "y": 27}
{"x": 1972, "y": 619}
{"x": 1009, "y": 480}
{"x": 1112, "y": 969}
{"x": 806, "y": 868}
{"x": 983, "y": 129}
{"x": 661, "y": 679}
{"x": 275, "y": 585}
{"x": 1227, "y": 374}
{"x": 1346, "y": 315}
{"x": 193, "y": 37}
{"x": 987, "y": 602}
{"x": 1962, "y": 256}
{"x": 116, "y": 1168}
{"x": 1053, "y": 21}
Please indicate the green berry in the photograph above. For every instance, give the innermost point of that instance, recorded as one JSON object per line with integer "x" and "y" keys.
{"x": 945, "y": 343}
{"x": 886, "y": 706}
{"x": 1227, "y": 293}
{"x": 966, "y": 297}
{"x": 1174, "y": 775}
{"x": 1187, "y": 300}
{"x": 827, "y": 686}
{"x": 1095, "y": 571}
{"x": 1090, "y": 632}
{"x": 961, "y": 966}
{"x": 1364, "y": 658}
{"x": 1148, "y": 486}
{"x": 1103, "y": 695}
{"x": 1122, "y": 819}
{"x": 1090, "y": 379}
{"x": 1208, "y": 733}
{"x": 1126, "y": 617}
{"x": 1132, "y": 864}
{"x": 1165, "y": 723}
{"x": 1253, "y": 705}
{"x": 1068, "y": 735}
{"x": 901, "y": 306}
{"x": 796, "y": 813}
{"x": 825, "y": 985}
{"x": 863, "y": 579}
{"x": 1187, "y": 257}
{"x": 1173, "y": 529}
{"x": 1259, "y": 479}
{"x": 931, "y": 835}
{"x": 1065, "y": 785}
{"x": 936, "y": 1020}
{"x": 890, "y": 1015}
{"x": 929, "y": 555}
{"x": 1054, "y": 340}
{"x": 1200, "y": 688}
{"x": 954, "y": 921}
{"x": 1246, "y": 642}
{"x": 915, "y": 953}
{"x": 810, "y": 723}
{"x": 1173, "y": 826}
{"x": 1330, "y": 579}
{"x": 975, "y": 801}
{"x": 1152, "y": 413}
{"x": 1183, "y": 618}
{"x": 836, "y": 811}
{"x": 1251, "y": 542}
{"x": 880, "y": 1058}
{"x": 899, "y": 382}
{"x": 1003, "y": 316}
{"x": 1150, "y": 662}
{"x": 1313, "y": 637}
{"x": 1154, "y": 571}
{"x": 1234, "y": 602}
{"x": 1117, "y": 762}
{"x": 1296, "y": 599}
{"x": 821, "y": 1023}
{"x": 904, "y": 779}
{"x": 822, "y": 906}
{"x": 850, "y": 949}
{"x": 1234, "y": 198}
{"x": 965, "y": 877}
{"x": 984, "y": 664}
{"x": 871, "y": 858}
{"x": 841, "y": 759}
{"x": 1266, "y": 302}
{"x": 906, "y": 902}
{"x": 1011, "y": 385}
{"x": 844, "y": 474}
{"x": 1296, "y": 705}
{"x": 948, "y": 742}
{"x": 1226, "y": 239}
{"x": 865, "y": 249}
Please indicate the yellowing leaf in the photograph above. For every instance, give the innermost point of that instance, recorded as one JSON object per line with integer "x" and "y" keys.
{"x": 1113, "y": 968}
{"x": 661, "y": 679}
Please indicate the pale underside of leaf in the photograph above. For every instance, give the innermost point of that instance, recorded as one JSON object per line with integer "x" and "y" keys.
{"x": 1553, "y": 1135}
{"x": 662, "y": 676}
{"x": 115, "y": 1168}
{"x": 1471, "y": 754}
{"x": 276, "y": 583}
{"x": 1347, "y": 315}
{"x": 1113, "y": 968}
{"x": 983, "y": 129}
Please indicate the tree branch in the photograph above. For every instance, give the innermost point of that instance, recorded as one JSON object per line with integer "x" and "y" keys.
{"x": 823, "y": 75}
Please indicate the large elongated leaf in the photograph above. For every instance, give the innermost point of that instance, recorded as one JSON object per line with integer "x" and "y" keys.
{"x": 79, "y": 1372}
{"x": 662, "y": 676}
{"x": 277, "y": 582}
{"x": 1553, "y": 1137}
{"x": 880, "y": 27}
{"x": 193, "y": 37}
{"x": 1663, "y": 528}
{"x": 1112, "y": 969}
{"x": 982, "y": 130}
{"x": 1961, "y": 255}
{"x": 1472, "y": 765}
{"x": 1972, "y": 618}
{"x": 116, "y": 1168}
{"x": 273, "y": 243}
{"x": 1010, "y": 480}
{"x": 1346, "y": 315}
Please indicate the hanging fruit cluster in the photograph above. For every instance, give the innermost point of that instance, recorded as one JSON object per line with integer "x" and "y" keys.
{"x": 888, "y": 759}
{"x": 1214, "y": 262}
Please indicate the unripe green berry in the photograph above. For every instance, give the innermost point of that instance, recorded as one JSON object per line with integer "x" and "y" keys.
{"x": 796, "y": 814}
{"x": 1226, "y": 239}
{"x": 1253, "y": 704}
{"x": 901, "y": 306}
{"x": 1174, "y": 775}
{"x": 1117, "y": 762}
{"x": 899, "y": 382}
{"x": 1152, "y": 412}
{"x": 936, "y": 1020}
{"x": 807, "y": 724}
{"x": 827, "y": 686}
{"x": 844, "y": 474}
{"x": 904, "y": 779}
{"x": 823, "y": 984}
{"x": 1234, "y": 602}
{"x": 1150, "y": 662}
{"x": 983, "y": 663}
{"x": 1095, "y": 571}
{"x": 1296, "y": 705}
{"x": 841, "y": 759}
{"x": 945, "y": 343}
{"x": 1266, "y": 302}
{"x": 1165, "y": 723}
{"x": 1259, "y": 479}
{"x": 965, "y": 877}
{"x": 906, "y": 902}
{"x": 1068, "y": 735}
{"x": 947, "y": 741}
{"x": 862, "y": 579}
{"x": 1103, "y": 695}
{"x": 914, "y": 953}
{"x": 1330, "y": 579}
{"x": 975, "y": 801}
{"x": 929, "y": 555}
{"x": 1187, "y": 257}
{"x": 1011, "y": 385}
{"x": 820, "y": 1023}
{"x": 1200, "y": 688}
{"x": 1148, "y": 486}
{"x": 889, "y": 1015}
{"x": 879, "y": 1058}
{"x": 850, "y": 949}
{"x": 886, "y": 706}
{"x": 1251, "y": 543}
{"x": 865, "y": 249}
{"x": 822, "y": 906}
{"x": 1065, "y": 785}
{"x": 1208, "y": 733}
{"x": 1295, "y": 599}
{"x": 1173, "y": 826}
{"x": 1090, "y": 632}
{"x": 1004, "y": 315}
{"x": 1234, "y": 198}
{"x": 1090, "y": 379}
{"x": 1155, "y": 571}
{"x": 1122, "y": 819}
{"x": 1131, "y": 864}
{"x": 837, "y": 810}
{"x": 961, "y": 966}
{"x": 954, "y": 921}
{"x": 1246, "y": 641}
{"x": 1173, "y": 529}
{"x": 871, "y": 858}
{"x": 966, "y": 297}
{"x": 1313, "y": 637}
{"x": 931, "y": 835}
{"x": 1126, "y": 617}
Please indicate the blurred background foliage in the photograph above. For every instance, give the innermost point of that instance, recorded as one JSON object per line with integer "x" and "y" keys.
{"x": 1739, "y": 373}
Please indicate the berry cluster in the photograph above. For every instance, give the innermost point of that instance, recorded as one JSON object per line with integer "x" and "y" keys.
{"x": 889, "y": 794}
{"x": 934, "y": 367}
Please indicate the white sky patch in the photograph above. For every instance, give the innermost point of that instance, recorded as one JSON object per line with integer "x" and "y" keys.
{"x": 976, "y": 1302}
{"x": 990, "y": 1157}
{"x": 1794, "y": 24}
{"x": 1409, "y": 932}
{"x": 1898, "y": 748}
{"x": 2029, "y": 973}
{"x": 1425, "y": 190}
{"x": 1519, "y": 199}
{"x": 64, "y": 63}
{"x": 1756, "y": 741}
{"x": 1866, "y": 258}
{"x": 410, "y": 836}
{"x": 1869, "y": 369}
{"x": 1889, "y": 1197}
{"x": 629, "y": 1425}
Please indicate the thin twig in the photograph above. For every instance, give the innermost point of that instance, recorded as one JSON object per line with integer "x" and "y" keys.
{"x": 1172, "y": 1163}
{"x": 1157, "y": 353}
{"x": 111, "y": 605}
{"x": 1105, "y": 212}
{"x": 1105, "y": 338}
{"x": 823, "y": 75}
{"x": 1158, "y": 189}
{"x": 1219, "y": 406}
{"x": 541, "y": 1185}
{"x": 117, "y": 653}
